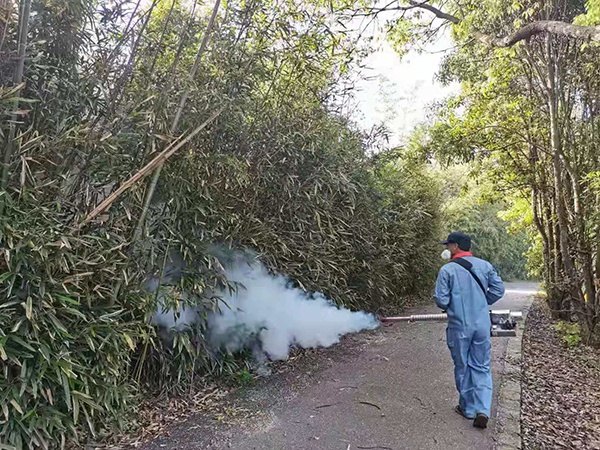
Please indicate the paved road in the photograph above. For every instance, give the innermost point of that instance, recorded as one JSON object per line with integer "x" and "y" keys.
{"x": 388, "y": 389}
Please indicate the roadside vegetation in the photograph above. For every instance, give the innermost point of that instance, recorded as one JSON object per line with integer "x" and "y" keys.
{"x": 255, "y": 96}
{"x": 131, "y": 129}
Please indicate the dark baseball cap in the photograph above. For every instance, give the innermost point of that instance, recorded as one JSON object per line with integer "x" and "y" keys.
{"x": 461, "y": 239}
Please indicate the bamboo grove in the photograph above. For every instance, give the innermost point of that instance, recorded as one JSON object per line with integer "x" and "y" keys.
{"x": 133, "y": 128}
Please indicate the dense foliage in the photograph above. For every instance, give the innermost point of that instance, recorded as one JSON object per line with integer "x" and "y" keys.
{"x": 528, "y": 113}
{"x": 470, "y": 206}
{"x": 92, "y": 91}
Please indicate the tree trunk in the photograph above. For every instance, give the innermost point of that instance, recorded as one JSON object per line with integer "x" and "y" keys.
{"x": 547, "y": 221}
{"x": 541, "y": 227}
{"x": 573, "y": 289}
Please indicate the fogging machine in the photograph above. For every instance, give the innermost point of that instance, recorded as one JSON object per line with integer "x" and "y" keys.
{"x": 504, "y": 321}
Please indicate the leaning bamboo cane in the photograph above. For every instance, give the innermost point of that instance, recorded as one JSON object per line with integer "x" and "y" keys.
{"x": 182, "y": 101}
{"x": 160, "y": 159}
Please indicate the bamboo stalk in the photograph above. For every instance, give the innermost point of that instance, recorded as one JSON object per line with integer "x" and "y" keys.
{"x": 5, "y": 10}
{"x": 25, "y": 8}
{"x": 182, "y": 102}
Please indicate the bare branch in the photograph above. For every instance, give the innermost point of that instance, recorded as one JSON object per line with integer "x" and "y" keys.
{"x": 438, "y": 13}
{"x": 553, "y": 27}
{"x": 376, "y": 10}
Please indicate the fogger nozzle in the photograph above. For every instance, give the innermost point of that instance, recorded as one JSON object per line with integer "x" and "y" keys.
{"x": 504, "y": 321}
{"x": 504, "y": 313}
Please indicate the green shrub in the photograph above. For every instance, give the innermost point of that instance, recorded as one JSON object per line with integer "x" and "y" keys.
{"x": 570, "y": 333}
{"x": 244, "y": 377}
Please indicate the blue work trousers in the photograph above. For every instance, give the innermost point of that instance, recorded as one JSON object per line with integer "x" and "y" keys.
{"x": 471, "y": 352}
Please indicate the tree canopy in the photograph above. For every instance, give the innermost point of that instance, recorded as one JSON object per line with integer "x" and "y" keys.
{"x": 528, "y": 115}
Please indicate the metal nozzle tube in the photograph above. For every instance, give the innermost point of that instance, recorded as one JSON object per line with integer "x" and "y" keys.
{"x": 514, "y": 315}
{"x": 416, "y": 317}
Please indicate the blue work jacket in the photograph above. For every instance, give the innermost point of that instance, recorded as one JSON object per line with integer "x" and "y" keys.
{"x": 458, "y": 294}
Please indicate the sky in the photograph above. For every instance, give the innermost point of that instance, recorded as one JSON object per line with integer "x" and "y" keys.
{"x": 409, "y": 86}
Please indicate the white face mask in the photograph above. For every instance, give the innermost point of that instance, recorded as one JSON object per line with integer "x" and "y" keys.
{"x": 446, "y": 255}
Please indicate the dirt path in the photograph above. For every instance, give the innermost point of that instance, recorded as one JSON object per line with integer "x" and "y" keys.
{"x": 389, "y": 389}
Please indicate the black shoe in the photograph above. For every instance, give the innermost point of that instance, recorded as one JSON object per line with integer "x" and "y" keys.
{"x": 480, "y": 421}
{"x": 460, "y": 411}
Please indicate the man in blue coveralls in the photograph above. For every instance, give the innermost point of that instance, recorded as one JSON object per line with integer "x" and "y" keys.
{"x": 465, "y": 289}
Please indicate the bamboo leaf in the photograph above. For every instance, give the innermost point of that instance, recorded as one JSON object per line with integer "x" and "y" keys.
{"x": 21, "y": 342}
{"x": 16, "y": 406}
{"x": 129, "y": 341}
{"x": 29, "y": 308}
{"x": 7, "y": 447}
{"x": 75, "y": 410}
{"x": 67, "y": 390}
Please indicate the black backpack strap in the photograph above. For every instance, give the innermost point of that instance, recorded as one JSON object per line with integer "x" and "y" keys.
{"x": 467, "y": 265}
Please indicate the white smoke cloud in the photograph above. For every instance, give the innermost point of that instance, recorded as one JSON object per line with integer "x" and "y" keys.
{"x": 266, "y": 314}
{"x": 280, "y": 316}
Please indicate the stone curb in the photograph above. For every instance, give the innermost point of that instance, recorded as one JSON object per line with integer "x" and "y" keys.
{"x": 508, "y": 415}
